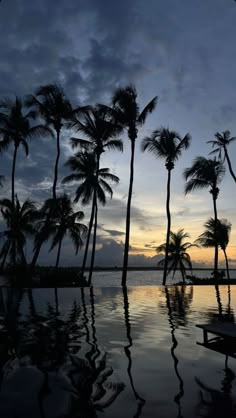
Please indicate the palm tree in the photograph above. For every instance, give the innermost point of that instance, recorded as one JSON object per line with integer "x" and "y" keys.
{"x": 93, "y": 187}
{"x": 65, "y": 222}
{"x": 206, "y": 173}
{"x": 126, "y": 112}
{"x": 16, "y": 129}
{"x": 168, "y": 145}
{"x": 209, "y": 239}
{"x": 51, "y": 104}
{"x": 20, "y": 221}
{"x": 178, "y": 256}
{"x": 221, "y": 143}
{"x": 96, "y": 124}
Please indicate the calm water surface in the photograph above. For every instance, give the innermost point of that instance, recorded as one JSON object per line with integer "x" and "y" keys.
{"x": 109, "y": 352}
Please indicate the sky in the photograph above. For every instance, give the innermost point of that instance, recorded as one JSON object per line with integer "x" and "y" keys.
{"x": 181, "y": 51}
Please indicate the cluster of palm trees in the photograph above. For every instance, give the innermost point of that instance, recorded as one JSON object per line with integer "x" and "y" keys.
{"x": 48, "y": 112}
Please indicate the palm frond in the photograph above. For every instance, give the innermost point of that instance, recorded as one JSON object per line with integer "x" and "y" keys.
{"x": 148, "y": 109}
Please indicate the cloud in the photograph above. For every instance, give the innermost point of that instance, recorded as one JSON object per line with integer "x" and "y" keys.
{"x": 114, "y": 232}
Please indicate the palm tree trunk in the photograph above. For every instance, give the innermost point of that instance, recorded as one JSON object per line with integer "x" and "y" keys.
{"x": 88, "y": 236}
{"x": 23, "y": 259}
{"x": 58, "y": 254}
{"x": 215, "y": 237}
{"x": 168, "y": 227}
{"x": 5, "y": 257}
{"x": 226, "y": 263}
{"x": 13, "y": 176}
{"x": 94, "y": 241}
{"x": 183, "y": 273}
{"x": 39, "y": 245}
{"x": 229, "y": 164}
{"x": 127, "y": 232}
{"x": 56, "y": 166}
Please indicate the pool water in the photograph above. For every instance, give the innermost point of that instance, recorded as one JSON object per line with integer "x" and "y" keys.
{"x": 113, "y": 352}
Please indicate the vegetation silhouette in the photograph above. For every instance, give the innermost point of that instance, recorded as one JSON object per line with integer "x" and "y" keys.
{"x": 21, "y": 223}
{"x": 93, "y": 187}
{"x": 95, "y": 123}
{"x": 177, "y": 253}
{"x": 15, "y": 129}
{"x": 65, "y": 221}
{"x": 206, "y": 173}
{"x": 126, "y": 113}
{"x": 49, "y": 113}
{"x": 221, "y": 143}
{"x": 216, "y": 235}
{"x": 167, "y": 145}
{"x": 50, "y": 103}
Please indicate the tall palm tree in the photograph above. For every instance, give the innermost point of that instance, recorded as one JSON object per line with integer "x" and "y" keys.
{"x": 16, "y": 129}
{"x": 52, "y": 105}
{"x": 126, "y": 112}
{"x": 220, "y": 144}
{"x": 167, "y": 145}
{"x": 206, "y": 173}
{"x": 65, "y": 222}
{"x": 100, "y": 131}
{"x": 209, "y": 239}
{"x": 20, "y": 222}
{"x": 178, "y": 256}
{"x": 92, "y": 187}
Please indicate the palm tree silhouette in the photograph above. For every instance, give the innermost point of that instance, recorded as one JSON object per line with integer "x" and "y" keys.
{"x": 168, "y": 145}
{"x": 206, "y": 173}
{"x": 51, "y": 104}
{"x": 96, "y": 124}
{"x": 209, "y": 239}
{"x": 126, "y": 113}
{"x": 177, "y": 254}
{"x": 20, "y": 221}
{"x": 65, "y": 222}
{"x": 93, "y": 187}
{"x": 221, "y": 143}
{"x": 101, "y": 131}
{"x": 15, "y": 129}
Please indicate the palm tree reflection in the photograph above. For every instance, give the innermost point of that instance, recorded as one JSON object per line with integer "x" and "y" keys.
{"x": 216, "y": 403}
{"x": 180, "y": 306}
{"x": 49, "y": 348}
{"x": 139, "y": 399}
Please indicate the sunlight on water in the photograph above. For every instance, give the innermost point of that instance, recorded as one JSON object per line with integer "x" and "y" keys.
{"x": 113, "y": 352}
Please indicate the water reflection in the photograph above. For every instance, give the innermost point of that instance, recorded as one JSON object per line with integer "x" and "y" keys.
{"x": 181, "y": 299}
{"x": 217, "y": 403}
{"x": 140, "y": 400}
{"x": 74, "y": 355}
{"x": 43, "y": 370}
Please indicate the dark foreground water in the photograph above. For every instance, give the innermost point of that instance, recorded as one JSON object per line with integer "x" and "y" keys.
{"x": 108, "y": 352}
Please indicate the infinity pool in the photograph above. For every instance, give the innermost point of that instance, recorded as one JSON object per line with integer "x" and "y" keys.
{"x": 112, "y": 352}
